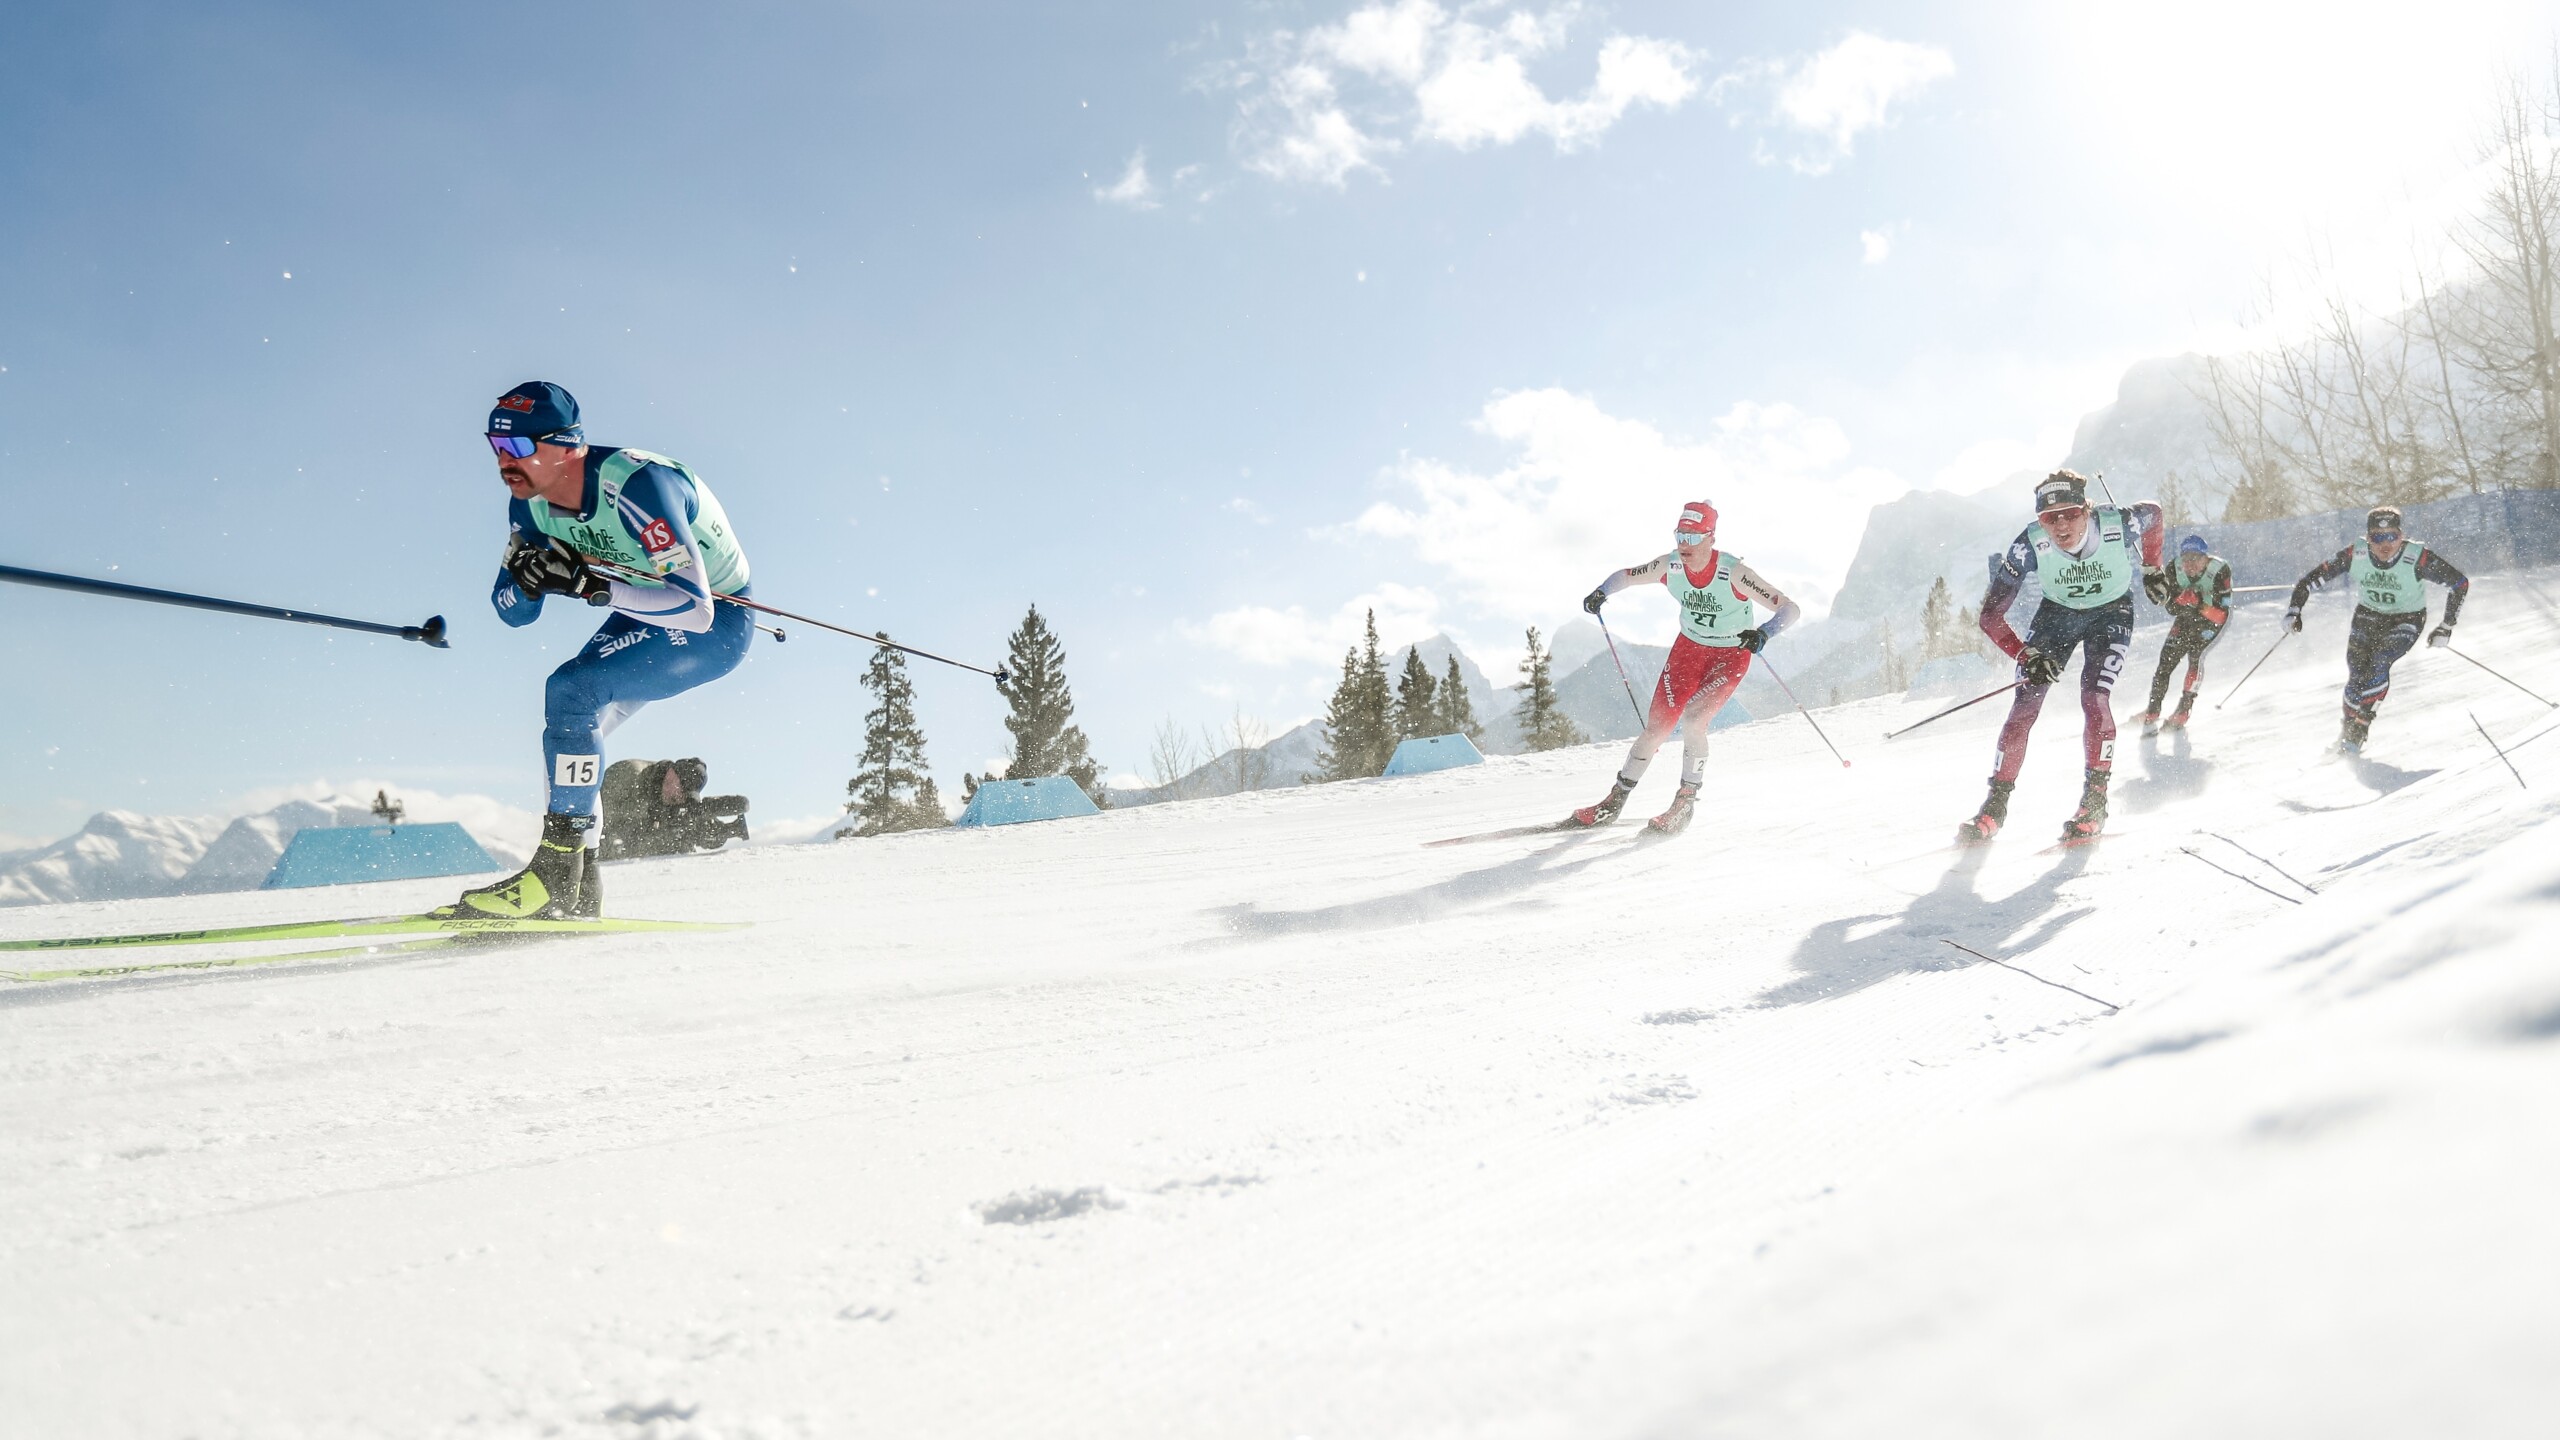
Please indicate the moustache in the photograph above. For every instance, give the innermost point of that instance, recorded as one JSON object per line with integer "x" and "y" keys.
{"x": 514, "y": 474}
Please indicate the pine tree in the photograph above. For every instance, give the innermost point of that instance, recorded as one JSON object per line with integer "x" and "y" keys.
{"x": 1417, "y": 699}
{"x": 1895, "y": 671}
{"x": 1045, "y": 739}
{"x": 1359, "y": 722}
{"x": 891, "y": 791}
{"x": 1543, "y": 723}
{"x": 1457, "y": 711}
{"x": 1969, "y": 637}
{"x": 1937, "y": 613}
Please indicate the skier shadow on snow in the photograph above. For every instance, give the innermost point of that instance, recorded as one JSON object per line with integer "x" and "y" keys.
{"x": 1508, "y": 880}
{"x": 2377, "y": 778}
{"x": 2173, "y": 774}
{"x": 1831, "y": 963}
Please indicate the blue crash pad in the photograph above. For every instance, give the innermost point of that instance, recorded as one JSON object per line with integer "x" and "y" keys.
{"x": 1424, "y": 754}
{"x": 353, "y": 854}
{"x": 1012, "y": 802}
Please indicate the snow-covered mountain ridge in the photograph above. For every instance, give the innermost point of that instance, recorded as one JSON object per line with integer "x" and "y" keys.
{"x": 120, "y": 855}
{"x": 1254, "y": 1115}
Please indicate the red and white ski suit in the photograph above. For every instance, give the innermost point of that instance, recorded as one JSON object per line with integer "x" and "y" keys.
{"x": 1700, "y": 676}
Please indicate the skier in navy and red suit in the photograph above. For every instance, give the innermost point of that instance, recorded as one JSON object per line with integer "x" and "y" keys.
{"x": 2390, "y": 572}
{"x": 2084, "y": 559}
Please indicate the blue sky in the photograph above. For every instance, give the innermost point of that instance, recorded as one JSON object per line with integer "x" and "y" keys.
{"x": 1202, "y": 326}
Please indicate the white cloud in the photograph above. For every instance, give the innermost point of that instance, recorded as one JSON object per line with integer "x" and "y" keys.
{"x": 1986, "y": 463}
{"x": 1133, "y": 188}
{"x": 1264, "y": 635}
{"x": 1589, "y": 492}
{"x": 1875, "y": 245}
{"x": 1298, "y": 130}
{"x": 1428, "y": 74}
{"x": 1834, "y": 97}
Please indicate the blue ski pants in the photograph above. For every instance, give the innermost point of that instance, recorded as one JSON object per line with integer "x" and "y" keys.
{"x": 2374, "y": 641}
{"x": 622, "y": 668}
{"x": 2104, "y": 637}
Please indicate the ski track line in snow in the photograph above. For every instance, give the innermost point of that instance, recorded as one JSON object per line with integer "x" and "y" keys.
{"x": 1336, "y": 1134}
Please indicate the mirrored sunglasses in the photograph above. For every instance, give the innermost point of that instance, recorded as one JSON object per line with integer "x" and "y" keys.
{"x": 518, "y": 446}
{"x": 1693, "y": 537}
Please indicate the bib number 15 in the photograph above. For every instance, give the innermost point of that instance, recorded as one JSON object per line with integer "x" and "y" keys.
{"x": 574, "y": 769}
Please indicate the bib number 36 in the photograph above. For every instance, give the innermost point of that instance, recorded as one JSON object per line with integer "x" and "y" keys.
{"x": 574, "y": 769}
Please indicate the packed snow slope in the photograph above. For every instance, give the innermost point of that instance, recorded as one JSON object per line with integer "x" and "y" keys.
{"x": 1256, "y": 1117}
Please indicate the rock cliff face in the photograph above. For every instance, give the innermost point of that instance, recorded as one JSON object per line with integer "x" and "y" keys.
{"x": 2155, "y": 429}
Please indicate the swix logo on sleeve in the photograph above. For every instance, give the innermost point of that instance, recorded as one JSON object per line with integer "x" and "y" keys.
{"x": 522, "y": 403}
{"x": 657, "y": 538}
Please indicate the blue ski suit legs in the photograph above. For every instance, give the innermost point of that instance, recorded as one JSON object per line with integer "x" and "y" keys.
{"x": 625, "y": 666}
{"x": 2104, "y": 637}
{"x": 2374, "y": 641}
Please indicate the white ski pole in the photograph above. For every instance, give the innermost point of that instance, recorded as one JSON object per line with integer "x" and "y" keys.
{"x": 1623, "y": 681}
{"x": 1807, "y": 714}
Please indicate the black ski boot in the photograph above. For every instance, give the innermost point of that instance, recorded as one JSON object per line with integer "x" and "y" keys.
{"x": 549, "y": 888}
{"x": 1676, "y": 819}
{"x": 1994, "y": 813}
{"x": 590, "y": 904}
{"x": 1609, "y": 806}
{"x": 2351, "y": 733}
{"x": 2091, "y": 817}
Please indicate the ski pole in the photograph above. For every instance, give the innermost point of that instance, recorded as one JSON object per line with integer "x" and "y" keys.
{"x": 2243, "y": 879}
{"x": 607, "y": 567}
{"x": 2030, "y": 974}
{"x": 1950, "y": 710}
{"x": 1623, "y": 681}
{"x": 2281, "y": 637}
{"x": 1790, "y": 693}
{"x": 2449, "y": 649}
{"x": 2263, "y": 860}
{"x": 431, "y": 633}
{"x": 2502, "y": 755}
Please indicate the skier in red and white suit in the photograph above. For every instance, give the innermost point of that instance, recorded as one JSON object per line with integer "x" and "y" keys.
{"x": 1715, "y": 592}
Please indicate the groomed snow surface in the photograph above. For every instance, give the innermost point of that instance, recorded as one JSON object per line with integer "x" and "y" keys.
{"x": 1256, "y": 1117}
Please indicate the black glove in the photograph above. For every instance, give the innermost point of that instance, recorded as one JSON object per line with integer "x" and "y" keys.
{"x": 2441, "y": 636}
{"x": 1753, "y": 638}
{"x": 2155, "y": 583}
{"x": 2293, "y": 620}
{"x": 555, "y": 569}
{"x": 1592, "y": 602}
{"x": 2038, "y": 668}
